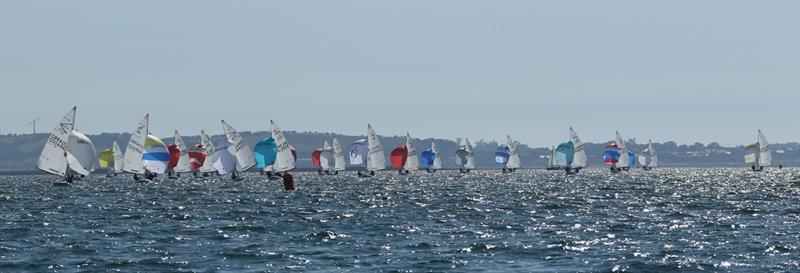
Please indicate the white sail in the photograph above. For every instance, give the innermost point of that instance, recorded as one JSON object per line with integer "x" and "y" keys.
{"x": 53, "y": 158}
{"x": 284, "y": 160}
{"x": 579, "y": 158}
{"x": 376, "y": 159}
{"x": 437, "y": 159}
{"x": 551, "y": 159}
{"x": 338, "y": 156}
{"x": 765, "y": 155}
{"x": 326, "y": 156}
{"x": 117, "y": 157}
{"x": 132, "y": 160}
{"x": 412, "y": 159}
{"x": 81, "y": 153}
{"x": 653, "y": 156}
{"x": 623, "y": 153}
{"x": 224, "y": 158}
{"x": 244, "y": 155}
{"x": 470, "y": 156}
{"x": 208, "y": 147}
{"x": 513, "y": 159}
{"x": 184, "y": 163}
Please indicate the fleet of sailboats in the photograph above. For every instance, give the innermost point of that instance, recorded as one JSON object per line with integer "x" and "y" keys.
{"x": 69, "y": 154}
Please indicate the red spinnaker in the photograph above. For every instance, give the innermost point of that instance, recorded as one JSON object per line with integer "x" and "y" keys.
{"x": 399, "y": 156}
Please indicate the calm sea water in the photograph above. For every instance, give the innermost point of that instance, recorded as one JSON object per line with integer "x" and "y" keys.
{"x": 667, "y": 220}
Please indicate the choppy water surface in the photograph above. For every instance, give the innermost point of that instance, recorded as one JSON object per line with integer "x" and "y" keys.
{"x": 663, "y": 220}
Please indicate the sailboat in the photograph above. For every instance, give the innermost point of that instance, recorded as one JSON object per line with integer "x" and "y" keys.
{"x": 759, "y": 154}
{"x": 359, "y": 150}
{"x": 338, "y": 157}
{"x": 197, "y": 157}
{"x": 285, "y": 156}
{"x": 648, "y": 158}
{"x": 412, "y": 158}
{"x": 551, "y": 160}
{"x": 398, "y": 158}
{"x": 514, "y": 162}
{"x": 322, "y": 158}
{"x": 179, "y": 161}
{"x": 155, "y": 157}
{"x": 133, "y": 159}
{"x": 568, "y": 156}
{"x": 53, "y": 158}
{"x": 207, "y": 148}
{"x": 111, "y": 159}
{"x": 376, "y": 159}
{"x": 431, "y": 159}
{"x": 465, "y": 157}
{"x": 224, "y": 158}
{"x": 626, "y": 158}
{"x": 244, "y": 155}
{"x": 265, "y": 153}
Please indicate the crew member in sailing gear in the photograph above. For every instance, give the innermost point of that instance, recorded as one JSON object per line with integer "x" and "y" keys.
{"x": 288, "y": 181}
{"x": 753, "y": 167}
{"x": 234, "y": 176}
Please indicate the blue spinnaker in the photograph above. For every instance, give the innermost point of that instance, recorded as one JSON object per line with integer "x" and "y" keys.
{"x": 565, "y": 152}
{"x": 265, "y": 152}
{"x": 427, "y": 157}
{"x": 610, "y": 156}
{"x": 502, "y": 155}
{"x": 631, "y": 159}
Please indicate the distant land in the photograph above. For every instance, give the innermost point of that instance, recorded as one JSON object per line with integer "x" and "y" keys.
{"x": 19, "y": 152}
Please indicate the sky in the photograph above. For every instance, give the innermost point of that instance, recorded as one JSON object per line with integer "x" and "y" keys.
{"x": 684, "y": 71}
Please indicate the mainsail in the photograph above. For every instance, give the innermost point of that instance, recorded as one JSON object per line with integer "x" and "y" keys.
{"x": 326, "y": 156}
{"x": 624, "y": 160}
{"x": 437, "y": 161}
{"x": 81, "y": 153}
{"x": 376, "y": 159}
{"x": 132, "y": 160}
{"x": 513, "y": 159}
{"x": 184, "y": 163}
{"x": 412, "y": 159}
{"x": 470, "y": 156}
{"x": 764, "y": 156}
{"x": 284, "y": 159}
{"x": 208, "y": 149}
{"x": 242, "y": 151}
{"x": 579, "y": 159}
{"x": 338, "y": 156}
{"x": 53, "y": 158}
{"x": 117, "y": 157}
{"x": 156, "y": 155}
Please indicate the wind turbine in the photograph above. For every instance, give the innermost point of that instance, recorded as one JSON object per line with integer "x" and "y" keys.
{"x": 34, "y": 124}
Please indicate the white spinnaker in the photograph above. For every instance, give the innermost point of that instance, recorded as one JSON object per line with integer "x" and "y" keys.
{"x": 376, "y": 160}
{"x": 243, "y": 152}
{"x": 132, "y": 160}
{"x": 117, "y": 157}
{"x": 284, "y": 160}
{"x": 653, "y": 156}
{"x": 81, "y": 153}
{"x": 184, "y": 163}
{"x": 513, "y": 159}
{"x": 412, "y": 159}
{"x": 338, "y": 156}
{"x": 470, "y": 156}
{"x": 579, "y": 159}
{"x": 623, "y": 152}
{"x": 224, "y": 157}
{"x": 437, "y": 159}
{"x": 326, "y": 156}
{"x": 765, "y": 155}
{"x": 53, "y": 158}
{"x": 642, "y": 160}
{"x": 208, "y": 164}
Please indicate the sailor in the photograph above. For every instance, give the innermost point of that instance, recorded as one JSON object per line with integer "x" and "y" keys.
{"x": 288, "y": 181}
{"x": 234, "y": 176}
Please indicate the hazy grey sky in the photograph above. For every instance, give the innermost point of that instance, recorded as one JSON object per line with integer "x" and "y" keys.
{"x": 684, "y": 70}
